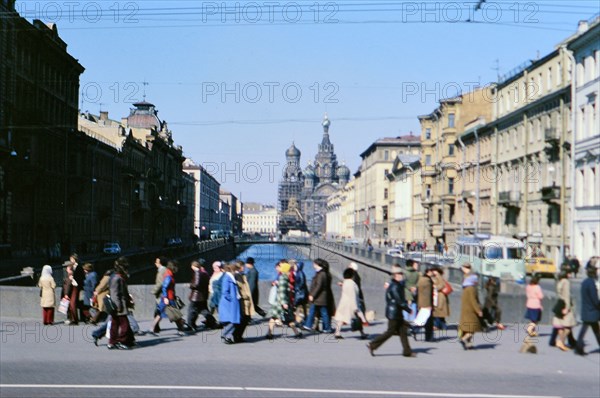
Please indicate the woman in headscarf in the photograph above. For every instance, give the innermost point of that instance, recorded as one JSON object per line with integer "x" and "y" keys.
{"x": 470, "y": 310}
{"x": 283, "y": 309}
{"x": 348, "y": 307}
{"x": 47, "y": 286}
{"x": 229, "y": 305}
{"x": 89, "y": 284}
{"x": 121, "y": 335}
{"x": 300, "y": 292}
{"x": 564, "y": 320}
{"x": 214, "y": 287}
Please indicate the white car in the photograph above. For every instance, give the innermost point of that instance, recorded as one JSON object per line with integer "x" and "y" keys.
{"x": 395, "y": 253}
{"x": 112, "y": 248}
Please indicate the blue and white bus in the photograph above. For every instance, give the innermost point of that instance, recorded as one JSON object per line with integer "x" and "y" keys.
{"x": 495, "y": 256}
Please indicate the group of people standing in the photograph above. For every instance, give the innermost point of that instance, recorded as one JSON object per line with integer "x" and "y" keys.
{"x": 77, "y": 291}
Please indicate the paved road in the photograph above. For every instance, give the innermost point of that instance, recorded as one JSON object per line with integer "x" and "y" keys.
{"x": 61, "y": 361}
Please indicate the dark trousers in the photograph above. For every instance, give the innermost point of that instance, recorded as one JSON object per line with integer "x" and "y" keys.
{"x": 101, "y": 330}
{"x": 48, "y": 315}
{"x": 584, "y": 327}
{"x": 323, "y": 311}
{"x": 74, "y": 305}
{"x": 429, "y": 329}
{"x": 238, "y": 333}
{"x": 199, "y": 308}
{"x": 257, "y": 309}
{"x": 120, "y": 331}
{"x": 395, "y": 327}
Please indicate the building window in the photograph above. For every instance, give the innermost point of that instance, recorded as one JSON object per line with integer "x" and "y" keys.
{"x": 451, "y": 120}
{"x": 451, "y": 186}
{"x": 385, "y": 193}
{"x": 386, "y": 155}
{"x": 439, "y": 216}
{"x": 385, "y": 213}
{"x": 428, "y": 191}
{"x": 428, "y": 134}
{"x": 427, "y": 160}
{"x": 386, "y": 172}
{"x": 451, "y": 150}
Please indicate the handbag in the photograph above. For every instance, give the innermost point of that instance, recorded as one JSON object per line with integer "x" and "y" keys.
{"x": 109, "y": 305}
{"x": 173, "y": 313}
{"x": 355, "y": 324}
{"x": 447, "y": 290}
{"x": 179, "y": 302}
{"x": 558, "y": 308}
{"x": 273, "y": 295}
{"x": 63, "y": 307}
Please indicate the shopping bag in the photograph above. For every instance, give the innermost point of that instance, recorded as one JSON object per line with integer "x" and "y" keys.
{"x": 63, "y": 307}
{"x": 135, "y": 327}
{"x": 410, "y": 317}
{"x": 273, "y": 295}
{"x": 174, "y": 314}
{"x": 422, "y": 317}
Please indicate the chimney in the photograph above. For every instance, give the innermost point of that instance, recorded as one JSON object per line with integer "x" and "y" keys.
{"x": 582, "y": 27}
{"x": 104, "y": 115}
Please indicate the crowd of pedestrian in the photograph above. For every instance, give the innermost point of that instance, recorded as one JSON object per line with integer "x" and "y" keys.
{"x": 227, "y": 298}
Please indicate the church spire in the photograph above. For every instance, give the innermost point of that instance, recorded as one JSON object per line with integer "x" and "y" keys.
{"x": 326, "y": 145}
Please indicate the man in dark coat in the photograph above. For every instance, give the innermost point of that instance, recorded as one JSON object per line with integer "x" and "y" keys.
{"x": 590, "y": 306}
{"x": 320, "y": 296}
{"x": 76, "y": 305}
{"x": 253, "y": 278}
{"x": 395, "y": 303}
{"x": 199, "y": 295}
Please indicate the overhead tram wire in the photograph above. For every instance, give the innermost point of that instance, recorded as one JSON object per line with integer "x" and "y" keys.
{"x": 186, "y": 11}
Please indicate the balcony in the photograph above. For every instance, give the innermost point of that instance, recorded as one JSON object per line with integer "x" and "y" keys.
{"x": 449, "y": 197}
{"x": 551, "y": 135}
{"x": 552, "y": 139}
{"x": 426, "y": 200}
{"x": 448, "y": 130}
{"x": 509, "y": 199}
{"x": 428, "y": 170}
{"x": 551, "y": 194}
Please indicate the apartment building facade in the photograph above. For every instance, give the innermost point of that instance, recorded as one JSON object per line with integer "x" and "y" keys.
{"x": 441, "y": 168}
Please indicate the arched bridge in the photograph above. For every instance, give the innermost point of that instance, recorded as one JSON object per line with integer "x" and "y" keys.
{"x": 289, "y": 242}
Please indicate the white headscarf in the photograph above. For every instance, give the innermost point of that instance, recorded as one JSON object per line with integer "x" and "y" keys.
{"x": 46, "y": 272}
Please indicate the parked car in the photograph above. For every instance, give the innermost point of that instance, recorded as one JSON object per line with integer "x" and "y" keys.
{"x": 541, "y": 266}
{"x": 351, "y": 242}
{"x": 173, "y": 242}
{"x": 395, "y": 253}
{"x": 112, "y": 248}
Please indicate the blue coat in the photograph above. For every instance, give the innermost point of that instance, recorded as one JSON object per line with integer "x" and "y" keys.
{"x": 590, "y": 305}
{"x": 89, "y": 284}
{"x": 229, "y": 305}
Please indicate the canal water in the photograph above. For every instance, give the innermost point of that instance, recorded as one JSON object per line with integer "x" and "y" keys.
{"x": 266, "y": 256}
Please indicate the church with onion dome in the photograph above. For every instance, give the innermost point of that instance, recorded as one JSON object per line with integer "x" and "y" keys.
{"x": 303, "y": 193}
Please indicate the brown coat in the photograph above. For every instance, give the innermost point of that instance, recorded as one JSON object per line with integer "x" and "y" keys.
{"x": 469, "y": 310}
{"x": 48, "y": 299}
{"x": 246, "y": 303}
{"x": 101, "y": 291}
{"x": 442, "y": 309}
{"x": 424, "y": 292}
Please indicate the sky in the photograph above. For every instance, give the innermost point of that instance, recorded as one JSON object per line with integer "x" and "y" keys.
{"x": 239, "y": 81}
